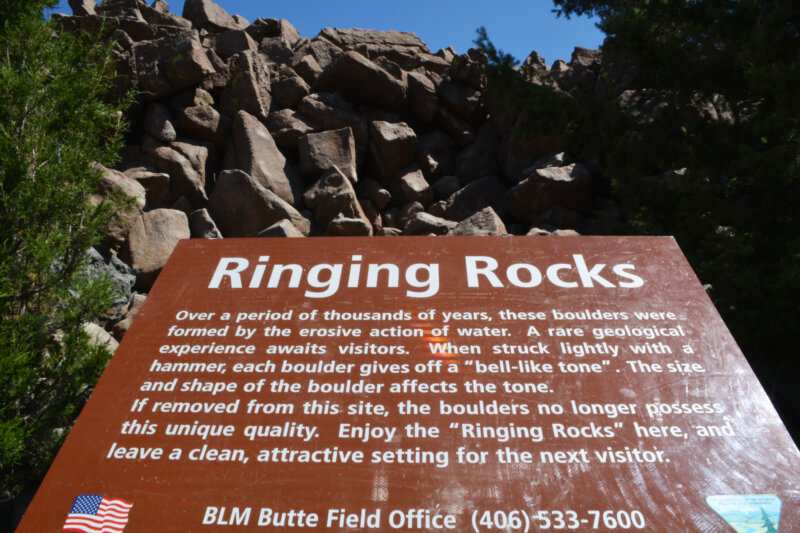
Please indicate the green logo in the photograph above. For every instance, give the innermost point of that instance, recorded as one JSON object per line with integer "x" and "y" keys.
{"x": 748, "y": 513}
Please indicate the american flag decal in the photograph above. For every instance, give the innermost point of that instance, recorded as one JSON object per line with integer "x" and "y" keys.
{"x": 95, "y": 514}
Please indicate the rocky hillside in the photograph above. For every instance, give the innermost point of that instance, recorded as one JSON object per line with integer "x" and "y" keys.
{"x": 248, "y": 130}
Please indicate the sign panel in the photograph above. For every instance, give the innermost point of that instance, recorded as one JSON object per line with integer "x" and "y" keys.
{"x": 426, "y": 384}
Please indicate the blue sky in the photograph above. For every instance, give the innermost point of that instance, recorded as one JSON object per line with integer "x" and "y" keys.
{"x": 515, "y": 26}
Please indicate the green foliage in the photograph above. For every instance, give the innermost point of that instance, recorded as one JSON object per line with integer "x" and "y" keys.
{"x": 53, "y": 124}
{"x": 708, "y": 86}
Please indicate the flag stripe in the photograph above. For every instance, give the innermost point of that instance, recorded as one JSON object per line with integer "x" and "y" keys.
{"x": 96, "y": 514}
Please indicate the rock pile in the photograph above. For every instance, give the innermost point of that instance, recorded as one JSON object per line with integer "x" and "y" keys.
{"x": 247, "y": 129}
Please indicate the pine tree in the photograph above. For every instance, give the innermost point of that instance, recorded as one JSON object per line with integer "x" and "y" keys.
{"x": 53, "y": 124}
{"x": 767, "y": 522}
{"x": 706, "y": 88}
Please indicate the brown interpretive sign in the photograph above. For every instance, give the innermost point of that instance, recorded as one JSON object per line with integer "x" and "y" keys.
{"x": 480, "y": 384}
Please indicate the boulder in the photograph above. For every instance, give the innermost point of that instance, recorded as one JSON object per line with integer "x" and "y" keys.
{"x": 332, "y": 112}
{"x": 100, "y": 337}
{"x": 569, "y": 187}
{"x": 342, "y": 226}
{"x": 361, "y": 79}
{"x": 422, "y": 94}
{"x": 121, "y": 277}
{"x": 183, "y": 204}
{"x": 242, "y": 207}
{"x": 287, "y": 126}
{"x": 170, "y": 64}
{"x": 220, "y": 78}
{"x": 277, "y": 50}
{"x": 331, "y": 195}
{"x": 248, "y": 87}
{"x": 120, "y": 9}
{"x": 523, "y": 151}
{"x": 458, "y": 130}
{"x": 407, "y": 212}
{"x": 209, "y": 16}
{"x": 258, "y": 156}
{"x": 121, "y": 328}
{"x": 232, "y": 42}
{"x": 351, "y": 39}
{"x": 185, "y": 180}
{"x": 289, "y": 90}
{"x": 282, "y": 228}
{"x": 113, "y": 182}
{"x": 319, "y": 152}
{"x": 138, "y": 11}
{"x": 372, "y": 191}
{"x": 321, "y": 49}
{"x": 461, "y": 100}
{"x": 391, "y": 148}
{"x": 582, "y": 71}
{"x": 434, "y": 154}
{"x": 429, "y": 62}
{"x": 411, "y": 186}
{"x": 466, "y": 70}
{"x": 202, "y": 226}
{"x": 482, "y": 193}
{"x": 82, "y": 8}
{"x": 190, "y": 98}
{"x": 400, "y": 47}
{"x": 448, "y": 54}
{"x": 151, "y": 242}
{"x": 484, "y": 222}
{"x": 201, "y": 155}
{"x": 372, "y": 213}
{"x": 262, "y": 29}
{"x": 444, "y": 187}
{"x": 161, "y": 6}
{"x": 308, "y": 68}
{"x": 156, "y": 185}
{"x": 423, "y": 223}
{"x": 206, "y": 123}
{"x": 158, "y": 122}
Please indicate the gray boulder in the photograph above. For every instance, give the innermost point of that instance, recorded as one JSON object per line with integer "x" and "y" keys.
{"x": 248, "y": 87}
{"x": 391, "y": 148}
{"x": 206, "y": 123}
{"x": 342, "y": 226}
{"x": 202, "y": 226}
{"x": 282, "y": 228}
{"x": 242, "y": 207}
{"x": 258, "y": 156}
{"x": 332, "y": 112}
{"x": 569, "y": 187}
{"x": 209, "y": 16}
{"x": 159, "y": 123}
{"x": 170, "y": 64}
{"x": 482, "y": 193}
{"x": 121, "y": 277}
{"x": 484, "y": 222}
{"x": 331, "y": 195}
{"x": 287, "y": 126}
{"x": 363, "y": 80}
{"x": 232, "y": 42}
{"x": 151, "y": 242}
{"x": 423, "y": 223}
{"x": 319, "y": 152}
